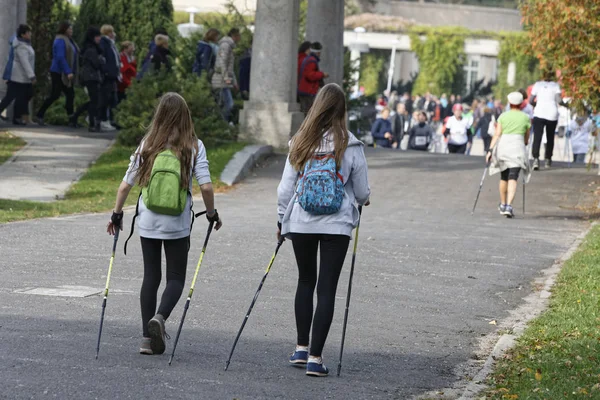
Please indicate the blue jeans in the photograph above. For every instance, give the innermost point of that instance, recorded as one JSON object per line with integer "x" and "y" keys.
{"x": 227, "y": 103}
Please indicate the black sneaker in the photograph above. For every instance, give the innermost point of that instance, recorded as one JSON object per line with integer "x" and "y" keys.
{"x": 536, "y": 164}
{"x": 548, "y": 164}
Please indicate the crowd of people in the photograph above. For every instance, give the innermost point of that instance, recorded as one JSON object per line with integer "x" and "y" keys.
{"x": 106, "y": 69}
{"x": 447, "y": 124}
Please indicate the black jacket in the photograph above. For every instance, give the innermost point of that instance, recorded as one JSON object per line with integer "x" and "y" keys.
{"x": 398, "y": 126}
{"x": 484, "y": 125}
{"x": 160, "y": 57}
{"x": 112, "y": 70}
{"x": 92, "y": 63}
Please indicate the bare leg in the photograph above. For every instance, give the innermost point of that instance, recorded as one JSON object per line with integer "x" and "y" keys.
{"x": 503, "y": 188}
{"x": 512, "y": 190}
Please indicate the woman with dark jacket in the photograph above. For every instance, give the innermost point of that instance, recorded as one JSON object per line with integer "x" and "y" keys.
{"x": 92, "y": 74}
{"x": 206, "y": 54}
{"x": 63, "y": 70}
{"x": 487, "y": 125}
{"x": 382, "y": 130}
{"x": 161, "y": 53}
{"x": 421, "y": 134}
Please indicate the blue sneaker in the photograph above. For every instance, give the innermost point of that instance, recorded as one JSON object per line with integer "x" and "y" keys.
{"x": 316, "y": 369}
{"x": 502, "y": 208}
{"x": 299, "y": 358}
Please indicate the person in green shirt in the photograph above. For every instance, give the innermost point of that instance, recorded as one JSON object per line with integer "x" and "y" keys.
{"x": 508, "y": 151}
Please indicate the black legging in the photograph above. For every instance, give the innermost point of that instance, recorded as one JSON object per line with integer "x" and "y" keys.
{"x": 58, "y": 87}
{"x": 176, "y": 253}
{"x": 538, "y": 132}
{"x": 333, "y": 253}
{"x": 21, "y": 93}
{"x": 92, "y": 106}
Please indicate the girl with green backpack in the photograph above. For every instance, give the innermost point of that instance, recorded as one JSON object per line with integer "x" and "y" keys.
{"x": 163, "y": 165}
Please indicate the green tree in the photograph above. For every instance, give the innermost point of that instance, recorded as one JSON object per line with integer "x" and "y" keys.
{"x": 515, "y": 47}
{"x": 564, "y": 36}
{"x": 136, "y": 21}
{"x": 44, "y": 17}
{"x": 441, "y": 54}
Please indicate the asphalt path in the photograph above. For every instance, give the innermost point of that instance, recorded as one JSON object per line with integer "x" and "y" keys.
{"x": 429, "y": 279}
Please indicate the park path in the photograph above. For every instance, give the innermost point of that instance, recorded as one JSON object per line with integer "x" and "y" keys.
{"x": 51, "y": 161}
{"x": 429, "y": 279}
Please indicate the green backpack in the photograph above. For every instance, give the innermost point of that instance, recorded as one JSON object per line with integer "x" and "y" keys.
{"x": 164, "y": 194}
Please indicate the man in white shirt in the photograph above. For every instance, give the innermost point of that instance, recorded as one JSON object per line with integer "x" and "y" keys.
{"x": 545, "y": 97}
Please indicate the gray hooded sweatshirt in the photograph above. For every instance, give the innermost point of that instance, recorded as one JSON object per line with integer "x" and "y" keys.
{"x": 357, "y": 191}
{"x": 23, "y": 69}
{"x": 160, "y": 226}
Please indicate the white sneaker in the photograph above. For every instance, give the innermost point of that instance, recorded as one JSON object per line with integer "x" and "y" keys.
{"x": 106, "y": 126}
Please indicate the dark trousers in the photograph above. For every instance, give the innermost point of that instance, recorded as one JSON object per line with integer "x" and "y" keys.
{"x": 487, "y": 140}
{"x": 58, "y": 87}
{"x": 457, "y": 149}
{"x": 108, "y": 98}
{"x": 333, "y": 253}
{"x": 92, "y": 106}
{"x": 176, "y": 253}
{"x": 306, "y": 102}
{"x": 20, "y": 93}
{"x": 538, "y": 132}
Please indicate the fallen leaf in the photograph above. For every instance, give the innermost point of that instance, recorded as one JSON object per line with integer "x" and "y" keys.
{"x": 493, "y": 322}
{"x": 538, "y": 375}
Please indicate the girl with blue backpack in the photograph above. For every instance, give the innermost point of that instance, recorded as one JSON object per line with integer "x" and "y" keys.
{"x": 163, "y": 165}
{"x": 324, "y": 181}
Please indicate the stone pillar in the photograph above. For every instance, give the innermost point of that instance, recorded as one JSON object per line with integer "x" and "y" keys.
{"x": 325, "y": 24}
{"x": 14, "y": 12}
{"x": 8, "y": 27}
{"x": 272, "y": 114}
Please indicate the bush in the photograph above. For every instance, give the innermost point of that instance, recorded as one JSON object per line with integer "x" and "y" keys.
{"x": 136, "y": 21}
{"x": 135, "y": 112}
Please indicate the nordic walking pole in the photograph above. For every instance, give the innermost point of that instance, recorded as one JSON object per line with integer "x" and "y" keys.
{"x": 110, "y": 265}
{"x": 487, "y": 166}
{"x": 191, "y": 292}
{"x": 279, "y": 243}
{"x": 339, "y": 369}
{"x": 524, "y": 195}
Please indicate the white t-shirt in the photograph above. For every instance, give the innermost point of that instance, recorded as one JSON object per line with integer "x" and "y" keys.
{"x": 546, "y": 106}
{"x": 458, "y": 130}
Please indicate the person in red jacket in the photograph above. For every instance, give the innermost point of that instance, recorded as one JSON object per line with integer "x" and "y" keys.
{"x": 128, "y": 67}
{"x": 303, "y": 52}
{"x": 310, "y": 78}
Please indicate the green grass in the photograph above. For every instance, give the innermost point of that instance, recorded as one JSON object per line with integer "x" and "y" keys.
{"x": 96, "y": 190}
{"x": 9, "y": 144}
{"x": 558, "y": 356}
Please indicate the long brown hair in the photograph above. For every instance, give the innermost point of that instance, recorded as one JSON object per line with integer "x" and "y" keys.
{"x": 171, "y": 128}
{"x": 328, "y": 113}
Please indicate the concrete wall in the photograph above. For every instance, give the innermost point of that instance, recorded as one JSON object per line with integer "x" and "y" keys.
{"x": 245, "y": 6}
{"x": 14, "y": 12}
{"x": 472, "y": 17}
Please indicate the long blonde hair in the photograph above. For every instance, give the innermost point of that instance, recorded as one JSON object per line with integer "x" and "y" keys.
{"x": 328, "y": 113}
{"x": 171, "y": 128}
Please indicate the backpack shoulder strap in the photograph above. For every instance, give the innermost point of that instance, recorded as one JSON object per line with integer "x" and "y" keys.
{"x": 137, "y": 211}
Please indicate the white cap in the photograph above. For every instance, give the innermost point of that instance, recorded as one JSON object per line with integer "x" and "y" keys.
{"x": 515, "y": 98}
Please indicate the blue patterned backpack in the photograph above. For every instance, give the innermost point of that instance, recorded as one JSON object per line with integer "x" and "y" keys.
{"x": 320, "y": 187}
